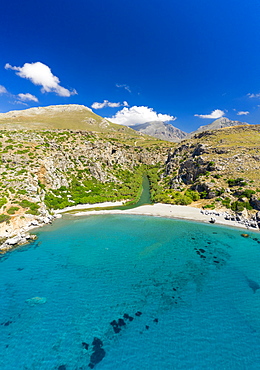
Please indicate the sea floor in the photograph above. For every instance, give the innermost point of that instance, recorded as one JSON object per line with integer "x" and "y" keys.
{"x": 131, "y": 292}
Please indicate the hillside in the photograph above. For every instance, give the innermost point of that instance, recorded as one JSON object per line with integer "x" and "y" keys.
{"x": 216, "y": 169}
{"x": 69, "y": 117}
{"x": 161, "y": 130}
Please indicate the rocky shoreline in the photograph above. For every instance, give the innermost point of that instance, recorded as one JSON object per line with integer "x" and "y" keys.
{"x": 18, "y": 233}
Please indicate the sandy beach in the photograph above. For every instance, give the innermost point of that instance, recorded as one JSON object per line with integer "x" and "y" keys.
{"x": 172, "y": 211}
{"x": 86, "y": 206}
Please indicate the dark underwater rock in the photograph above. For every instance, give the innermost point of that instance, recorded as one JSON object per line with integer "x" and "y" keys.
{"x": 98, "y": 353}
{"x": 253, "y": 285}
{"x": 121, "y": 322}
{"x": 85, "y": 345}
{"x": 128, "y": 317}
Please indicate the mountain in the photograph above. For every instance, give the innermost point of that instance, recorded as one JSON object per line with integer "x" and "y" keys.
{"x": 161, "y": 130}
{"x": 222, "y": 122}
{"x": 71, "y": 117}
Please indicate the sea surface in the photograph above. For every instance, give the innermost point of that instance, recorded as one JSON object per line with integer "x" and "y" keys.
{"x": 131, "y": 292}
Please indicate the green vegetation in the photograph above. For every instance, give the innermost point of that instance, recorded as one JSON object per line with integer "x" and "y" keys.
{"x": 226, "y": 202}
{"x": 236, "y": 182}
{"x": 3, "y": 201}
{"x": 83, "y": 190}
{"x": 33, "y": 207}
{"x": 4, "y": 218}
{"x": 12, "y": 210}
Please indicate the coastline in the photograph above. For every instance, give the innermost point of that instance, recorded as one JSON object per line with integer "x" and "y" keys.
{"x": 20, "y": 235}
{"x": 176, "y": 211}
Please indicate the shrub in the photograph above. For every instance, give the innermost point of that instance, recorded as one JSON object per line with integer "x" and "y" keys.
{"x": 247, "y": 193}
{"x": 12, "y": 210}
{"x": 33, "y": 207}
{"x": 237, "y": 206}
{"x": 226, "y": 202}
{"x": 2, "y": 201}
{"x": 194, "y": 195}
{"x": 236, "y": 182}
{"x": 4, "y": 218}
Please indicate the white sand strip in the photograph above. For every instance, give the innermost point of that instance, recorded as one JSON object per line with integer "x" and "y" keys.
{"x": 173, "y": 211}
{"x": 86, "y": 206}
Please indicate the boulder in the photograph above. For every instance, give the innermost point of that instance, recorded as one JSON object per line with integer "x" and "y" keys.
{"x": 255, "y": 202}
{"x": 15, "y": 240}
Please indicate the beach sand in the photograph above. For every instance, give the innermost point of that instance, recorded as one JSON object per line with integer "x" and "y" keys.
{"x": 173, "y": 211}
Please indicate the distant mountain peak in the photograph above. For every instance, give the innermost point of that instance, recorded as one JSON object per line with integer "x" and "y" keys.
{"x": 160, "y": 130}
{"x": 217, "y": 124}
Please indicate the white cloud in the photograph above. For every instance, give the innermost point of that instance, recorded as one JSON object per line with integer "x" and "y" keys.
{"x": 242, "y": 113}
{"x": 3, "y": 90}
{"x": 217, "y": 113}
{"x": 107, "y": 103}
{"x": 27, "y": 97}
{"x": 126, "y": 87}
{"x": 19, "y": 102}
{"x": 40, "y": 74}
{"x": 253, "y": 95}
{"x": 136, "y": 115}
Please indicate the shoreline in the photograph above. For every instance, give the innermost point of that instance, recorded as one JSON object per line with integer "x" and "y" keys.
{"x": 22, "y": 234}
{"x": 176, "y": 212}
{"x": 86, "y": 206}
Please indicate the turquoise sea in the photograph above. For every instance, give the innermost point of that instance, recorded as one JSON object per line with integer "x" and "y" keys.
{"x": 131, "y": 292}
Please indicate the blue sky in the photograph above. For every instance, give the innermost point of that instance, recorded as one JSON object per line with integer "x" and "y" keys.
{"x": 183, "y": 59}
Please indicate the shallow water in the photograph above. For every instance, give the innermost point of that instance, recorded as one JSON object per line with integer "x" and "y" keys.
{"x": 189, "y": 293}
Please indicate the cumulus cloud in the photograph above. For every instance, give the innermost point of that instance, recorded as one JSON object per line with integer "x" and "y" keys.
{"x": 40, "y": 74}
{"x": 3, "y": 90}
{"x": 242, "y": 113}
{"x": 107, "y": 103}
{"x": 253, "y": 95}
{"x": 217, "y": 113}
{"x": 136, "y": 115}
{"x": 27, "y": 97}
{"x": 126, "y": 87}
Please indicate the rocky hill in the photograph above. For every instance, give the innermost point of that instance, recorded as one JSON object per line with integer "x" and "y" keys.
{"x": 161, "y": 130}
{"x": 218, "y": 169}
{"x": 216, "y": 125}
